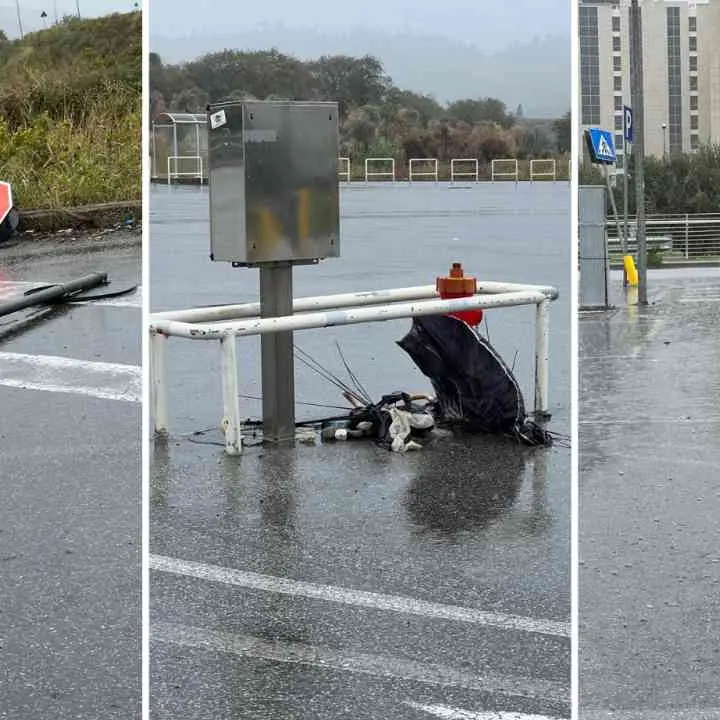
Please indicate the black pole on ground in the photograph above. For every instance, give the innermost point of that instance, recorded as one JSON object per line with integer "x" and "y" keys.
{"x": 52, "y": 294}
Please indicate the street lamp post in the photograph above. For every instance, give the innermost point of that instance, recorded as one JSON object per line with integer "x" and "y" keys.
{"x": 638, "y": 106}
{"x": 19, "y": 17}
{"x": 664, "y": 129}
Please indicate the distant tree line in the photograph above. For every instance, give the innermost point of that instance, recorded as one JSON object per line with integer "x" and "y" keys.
{"x": 376, "y": 117}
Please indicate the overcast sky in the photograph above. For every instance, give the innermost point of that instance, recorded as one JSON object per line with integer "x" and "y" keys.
{"x": 487, "y": 24}
{"x": 30, "y": 11}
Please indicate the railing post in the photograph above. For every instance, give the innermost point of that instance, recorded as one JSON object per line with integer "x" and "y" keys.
{"x": 542, "y": 357}
{"x": 158, "y": 384}
{"x": 687, "y": 235}
{"x": 231, "y": 405}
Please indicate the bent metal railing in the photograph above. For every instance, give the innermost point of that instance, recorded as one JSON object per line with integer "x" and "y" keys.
{"x": 225, "y": 323}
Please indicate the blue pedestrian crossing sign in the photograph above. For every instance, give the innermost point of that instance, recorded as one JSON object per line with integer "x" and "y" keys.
{"x": 627, "y": 124}
{"x": 601, "y": 145}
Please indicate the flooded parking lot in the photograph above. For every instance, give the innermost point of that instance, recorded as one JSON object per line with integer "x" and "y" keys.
{"x": 342, "y": 580}
{"x": 649, "y": 501}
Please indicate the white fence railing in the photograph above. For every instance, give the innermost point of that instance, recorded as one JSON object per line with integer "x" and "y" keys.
{"x": 380, "y": 173}
{"x": 344, "y": 168}
{"x": 226, "y": 323}
{"x": 464, "y": 163}
{"x": 543, "y": 169}
{"x": 174, "y": 171}
{"x": 426, "y": 162}
{"x": 679, "y": 236}
{"x": 504, "y": 169}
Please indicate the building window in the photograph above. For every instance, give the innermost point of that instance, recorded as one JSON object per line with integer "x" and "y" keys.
{"x": 616, "y": 24}
{"x": 674, "y": 76}
{"x": 692, "y": 24}
{"x": 618, "y": 122}
{"x": 620, "y": 162}
{"x": 693, "y": 58}
{"x": 617, "y": 86}
{"x": 618, "y": 102}
{"x": 692, "y": 43}
{"x": 589, "y": 65}
{"x": 693, "y": 83}
{"x": 617, "y": 63}
{"x": 619, "y": 140}
{"x": 694, "y": 122}
{"x": 694, "y": 141}
{"x": 616, "y": 44}
{"x": 693, "y": 102}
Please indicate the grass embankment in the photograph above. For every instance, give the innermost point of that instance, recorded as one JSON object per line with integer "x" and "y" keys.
{"x": 70, "y": 113}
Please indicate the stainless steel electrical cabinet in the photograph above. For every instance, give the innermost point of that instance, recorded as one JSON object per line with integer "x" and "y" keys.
{"x": 273, "y": 180}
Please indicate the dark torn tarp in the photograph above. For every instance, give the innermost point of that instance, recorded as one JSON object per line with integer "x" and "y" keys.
{"x": 474, "y": 388}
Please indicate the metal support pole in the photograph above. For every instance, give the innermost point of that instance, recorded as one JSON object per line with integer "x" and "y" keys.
{"x": 231, "y": 403}
{"x": 158, "y": 384}
{"x": 542, "y": 357}
{"x": 638, "y": 105}
{"x": 626, "y": 234}
{"x": 278, "y": 368}
{"x": 613, "y": 204}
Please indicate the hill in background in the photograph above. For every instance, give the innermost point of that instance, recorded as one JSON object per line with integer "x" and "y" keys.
{"x": 535, "y": 74}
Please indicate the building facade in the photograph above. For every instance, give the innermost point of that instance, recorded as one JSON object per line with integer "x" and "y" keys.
{"x": 681, "y": 67}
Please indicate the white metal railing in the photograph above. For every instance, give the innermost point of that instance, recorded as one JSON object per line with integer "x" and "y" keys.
{"x": 379, "y": 173}
{"x": 681, "y": 236}
{"x": 545, "y": 168}
{"x": 474, "y": 173}
{"x": 511, "y": 174}
{"x": 344, "y": 171}
{"x": 412, "y": 173}
{"x": 196, "y": 172}
{"x": 228, "y": 322}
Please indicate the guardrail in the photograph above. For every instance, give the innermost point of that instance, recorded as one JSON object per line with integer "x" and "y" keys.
{"x": 344, "y": 172}
{"x": 412, "y": 173}
{"x": 226, "y": 323}
{"x": 380, "y": 173}
{"x": 197, "y": 172}
{"x": 681, "y": 236}
{"x": 474, "y": 173}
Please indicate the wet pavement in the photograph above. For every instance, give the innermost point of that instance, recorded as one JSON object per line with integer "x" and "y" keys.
{"x": 650, "y": 502}
{"x": 340, "y": 580}
{"x": 70, "y": 466}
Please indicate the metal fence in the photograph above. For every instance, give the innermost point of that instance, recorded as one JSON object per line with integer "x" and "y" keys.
{"x": 673, "y": 236}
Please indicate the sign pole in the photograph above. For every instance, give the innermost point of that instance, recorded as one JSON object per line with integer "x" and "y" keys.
{"x": 638, "y": 105}
{"x": 628, "y": 138}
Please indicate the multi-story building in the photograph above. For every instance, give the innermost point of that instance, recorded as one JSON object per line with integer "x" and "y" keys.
{"x": 681, "y": 64}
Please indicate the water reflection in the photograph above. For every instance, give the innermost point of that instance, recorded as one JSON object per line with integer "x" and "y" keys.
{"x": 472, "y": 482}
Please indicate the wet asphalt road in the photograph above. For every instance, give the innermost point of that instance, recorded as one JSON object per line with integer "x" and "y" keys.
{"x": 650, "y": 502}
{"x": 70, "y": 469}
{"x": 341, "y": 581}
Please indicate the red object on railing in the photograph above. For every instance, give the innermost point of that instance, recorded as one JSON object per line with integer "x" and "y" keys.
{"x": 457, "y": 285}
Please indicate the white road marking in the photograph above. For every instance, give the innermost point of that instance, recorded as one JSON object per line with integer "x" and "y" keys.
{"x": 700, "y": 299}
{"x": 653, "y": 421}
{"x": 449, "y": 713}
{"x": 382, "y": 666}
{"x": 107, "y": 381}
{"x": 361, "y": 598}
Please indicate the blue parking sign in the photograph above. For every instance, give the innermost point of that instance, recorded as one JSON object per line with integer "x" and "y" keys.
{"x": 627, "y": 124}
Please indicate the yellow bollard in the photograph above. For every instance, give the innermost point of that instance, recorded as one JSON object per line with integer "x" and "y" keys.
{"x": 631, "y": 272}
